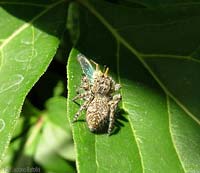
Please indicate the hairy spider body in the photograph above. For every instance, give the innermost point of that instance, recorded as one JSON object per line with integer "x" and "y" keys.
{"x": 97, "y": 113}
{"x": 100, "y": 102}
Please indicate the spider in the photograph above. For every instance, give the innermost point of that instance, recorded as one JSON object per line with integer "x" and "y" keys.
{"x": 97, "y": 89}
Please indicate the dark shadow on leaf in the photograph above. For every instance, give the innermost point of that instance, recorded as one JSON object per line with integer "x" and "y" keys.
{"x": 79, "y": 120}
{"x": 127, "y": 3}
{"x": 43, "y": 15}
{"x": 78, "y": 104}
{"x": 119, "y": 121}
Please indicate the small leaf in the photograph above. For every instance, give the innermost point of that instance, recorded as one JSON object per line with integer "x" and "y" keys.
{"x": 59, "y": 89}
{"x": 58, "y": 142}
{"x": 56, "y": 110}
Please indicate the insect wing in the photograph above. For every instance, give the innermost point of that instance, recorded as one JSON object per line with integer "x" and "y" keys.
{"x": 87, "y": 68}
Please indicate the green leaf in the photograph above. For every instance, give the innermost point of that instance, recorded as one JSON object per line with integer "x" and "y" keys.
{"x": 56, "y": 134}
{"x": 59, "y": 147}
{"x": 59, "y": 89}
{"x": 29, "y": 37}
{"x": 56, "y": 114}
{"x": 73, "y": 22}
{"x": 56, "y": 110}
{"x": 147, "y": 52}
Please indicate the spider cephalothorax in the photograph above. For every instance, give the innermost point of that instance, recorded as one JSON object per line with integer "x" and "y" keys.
{"x": 98, "y": 91}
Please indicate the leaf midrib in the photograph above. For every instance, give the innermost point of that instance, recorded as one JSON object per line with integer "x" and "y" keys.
{"x": 139, "y": 56}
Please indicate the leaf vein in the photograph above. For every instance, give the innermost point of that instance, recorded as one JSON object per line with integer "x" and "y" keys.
{"x": 138, "y": 26}
{"x": 170, "y": 131}
{"x": 169, "y": 56}
{"x": 96, "y": 160}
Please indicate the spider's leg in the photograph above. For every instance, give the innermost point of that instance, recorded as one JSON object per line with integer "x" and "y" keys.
{"x": 80, "y": 96}
{"x": 83, "y": 107}
{"x": 85, "y": 86}
{"x": 117, "y": 87}
{"x": 113, "y": 105}
{"x": 85, "y": 83}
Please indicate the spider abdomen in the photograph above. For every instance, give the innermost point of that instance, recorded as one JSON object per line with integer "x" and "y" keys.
{"x": 97, "y": 115}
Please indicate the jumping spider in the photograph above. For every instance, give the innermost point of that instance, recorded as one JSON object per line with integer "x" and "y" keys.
{"x": 100, "y": 102}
